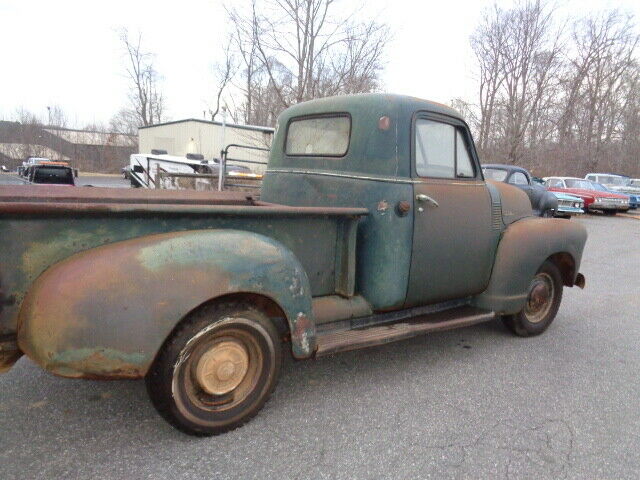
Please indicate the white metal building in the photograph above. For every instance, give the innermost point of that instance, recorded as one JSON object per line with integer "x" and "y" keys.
{"x": 206, "y": 137}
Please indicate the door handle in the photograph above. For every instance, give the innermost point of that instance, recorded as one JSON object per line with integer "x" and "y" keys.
{"x": 421, "y": 197}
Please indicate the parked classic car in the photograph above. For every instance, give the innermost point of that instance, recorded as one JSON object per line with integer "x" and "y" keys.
{"x": 634, "y": 200}
{"x": 618, "y": 184}
{"x": 375, "y": 224}
{"x": 615, "y": 183}
{"x": 543, "y": 202}
{"x": 594, "y": 200}
{"x": 568, "y": 205}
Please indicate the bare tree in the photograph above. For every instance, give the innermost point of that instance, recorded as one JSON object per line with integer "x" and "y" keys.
{"x": 486, "y": 43}
{"x": 56, "y": 116}
{"x": 519, "y": 53}
{"x": 145, "y": 96}
{"x": 599, "y": 82}
{"x": 224, "y": 73}
{"x": 554, "y": 102}
{"x": 125, "y": 121}
{"x": 295, "y": 50}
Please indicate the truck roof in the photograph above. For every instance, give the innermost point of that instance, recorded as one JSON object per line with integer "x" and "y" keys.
{"x": 371, "y": 100}
{"x": 372, "y": 150}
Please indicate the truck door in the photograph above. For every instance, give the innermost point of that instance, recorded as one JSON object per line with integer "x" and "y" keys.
{"x": 453, "y": 238}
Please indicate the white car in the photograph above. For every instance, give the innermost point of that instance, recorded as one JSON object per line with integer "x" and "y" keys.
{"x": 616, "y": 183}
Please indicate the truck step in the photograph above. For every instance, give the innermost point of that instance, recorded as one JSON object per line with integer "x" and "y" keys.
{"x": 352, "y": 339}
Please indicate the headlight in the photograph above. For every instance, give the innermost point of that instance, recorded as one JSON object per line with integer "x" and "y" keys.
{"x": 576, "y": 205}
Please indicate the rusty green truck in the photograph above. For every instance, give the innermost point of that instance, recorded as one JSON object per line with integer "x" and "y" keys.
{"x": 374, "y": 224}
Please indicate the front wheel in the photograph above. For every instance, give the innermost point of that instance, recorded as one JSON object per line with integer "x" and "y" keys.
{"x": 543, "y": 302}
{"x": 217, "y": 370}
{"x": 548, "y": 213}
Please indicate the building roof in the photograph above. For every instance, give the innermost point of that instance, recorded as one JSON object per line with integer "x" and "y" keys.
{"x": 211, "y": 122}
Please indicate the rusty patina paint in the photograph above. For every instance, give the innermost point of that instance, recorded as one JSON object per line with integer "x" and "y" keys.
{"x": 105, "y": 312}
{"x": 41, "y": 227}
{"x": 513, "y": 270}
{"x": 108, "y": 308}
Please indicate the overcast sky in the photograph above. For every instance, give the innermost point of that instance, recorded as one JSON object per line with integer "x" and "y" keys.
{"x": 67, "y": 52}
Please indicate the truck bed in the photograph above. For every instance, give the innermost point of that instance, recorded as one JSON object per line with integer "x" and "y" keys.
{"x": 41, "y": 225}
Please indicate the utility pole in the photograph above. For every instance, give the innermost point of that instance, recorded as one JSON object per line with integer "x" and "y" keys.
{"x": 223, "y": 160}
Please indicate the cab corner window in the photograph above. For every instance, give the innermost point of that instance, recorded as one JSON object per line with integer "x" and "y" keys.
{"x": 441, "y": 151}
{"x": 326, "y": 136}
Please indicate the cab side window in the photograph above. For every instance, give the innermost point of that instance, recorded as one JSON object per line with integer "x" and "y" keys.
{"x": 555, "y": 183}
{"x": 441, "y": 151}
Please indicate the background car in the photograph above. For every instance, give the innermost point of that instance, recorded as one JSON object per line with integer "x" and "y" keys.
{"x": 615, "y": 183}
{"x": 594, "y": 200}
{"x": 568, "y": 205}
{"x": 543, "y": 203}
{"x": 634, "y": 200}
{"x": 51, "y": 174}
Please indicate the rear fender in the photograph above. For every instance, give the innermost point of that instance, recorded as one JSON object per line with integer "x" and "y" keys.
{"x": 524, "y": 246}
{"x": 106, "y": 312}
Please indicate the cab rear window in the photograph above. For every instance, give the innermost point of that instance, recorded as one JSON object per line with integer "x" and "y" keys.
{"x": 325, "y": 136}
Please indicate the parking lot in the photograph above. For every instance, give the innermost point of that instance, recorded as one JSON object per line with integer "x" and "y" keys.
{"x": 83, "y": 180}
{"x": 470, "y": 403}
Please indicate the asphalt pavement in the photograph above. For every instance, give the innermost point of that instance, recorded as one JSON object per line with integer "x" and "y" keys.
{"x": 83, "y": 180}
{"x": 470, "y": 403}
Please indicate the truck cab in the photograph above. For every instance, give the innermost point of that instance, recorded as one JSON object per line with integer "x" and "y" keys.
{"x": 434, "y": 223}
{"x": 51, "y": 173}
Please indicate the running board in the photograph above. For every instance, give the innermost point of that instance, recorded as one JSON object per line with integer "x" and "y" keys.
{"x": 345, "y": 340}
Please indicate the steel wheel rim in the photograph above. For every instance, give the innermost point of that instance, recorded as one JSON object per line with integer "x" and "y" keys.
{"x": 222, "y": 368}
{"x": 540, "y": 298}
{"x": 198, "y": 358}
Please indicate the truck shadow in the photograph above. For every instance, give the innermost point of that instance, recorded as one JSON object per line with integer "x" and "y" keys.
{"x": 102, "y": 421}
{"x": 39, "y": 401}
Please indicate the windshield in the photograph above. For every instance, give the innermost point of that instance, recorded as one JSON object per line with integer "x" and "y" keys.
{"x": 53, "y": 175}
{"x": 614, "y": 180}
{"x": 598, "y": 186}
{"x": 574, "y": 183}
{"x": 496, "y": 174}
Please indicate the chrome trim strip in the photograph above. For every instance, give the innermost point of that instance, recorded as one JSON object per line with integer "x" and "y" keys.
{"x": 373, "y": 178}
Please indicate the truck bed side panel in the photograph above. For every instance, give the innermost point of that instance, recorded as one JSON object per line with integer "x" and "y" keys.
{"x": 32, "y": 243}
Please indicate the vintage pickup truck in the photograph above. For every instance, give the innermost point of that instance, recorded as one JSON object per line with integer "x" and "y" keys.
{"x": 374, "y": 224}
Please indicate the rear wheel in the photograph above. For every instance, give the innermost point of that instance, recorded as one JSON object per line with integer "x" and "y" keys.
{"x": 217, "y": 369}
{"x": 543, "y": 302}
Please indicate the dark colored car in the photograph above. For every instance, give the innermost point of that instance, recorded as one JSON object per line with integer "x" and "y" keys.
{"x": 51, "y": 175}
{"x": 543, "y": 202}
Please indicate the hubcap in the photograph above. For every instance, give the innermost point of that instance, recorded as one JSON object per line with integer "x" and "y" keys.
{"x": 540, "y": 298}
{"x": 222, "y": 368}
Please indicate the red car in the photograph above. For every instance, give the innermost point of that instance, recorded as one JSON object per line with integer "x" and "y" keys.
{"x": 607, "y": 202}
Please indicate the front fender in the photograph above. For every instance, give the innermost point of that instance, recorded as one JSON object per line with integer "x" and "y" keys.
{"x": 524, "y": 246}
{"x": 548, "y": 201}
{"x": 106, "y": 312}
